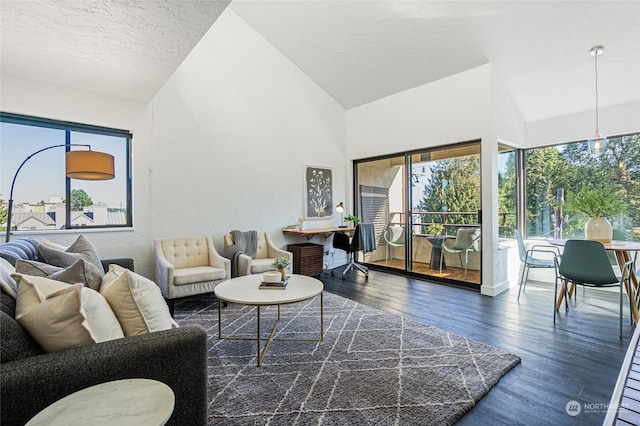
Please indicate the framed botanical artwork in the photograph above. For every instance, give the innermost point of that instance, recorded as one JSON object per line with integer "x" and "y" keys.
{"x": 318, "y": 192}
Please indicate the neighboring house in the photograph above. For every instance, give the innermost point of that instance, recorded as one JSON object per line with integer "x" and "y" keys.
{"x": 100, "y": 216}
{"x": 30, "y": 221}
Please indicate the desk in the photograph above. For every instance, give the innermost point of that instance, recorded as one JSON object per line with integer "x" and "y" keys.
{"x": 326, "y": 232}
{"x": 622, "y": 251}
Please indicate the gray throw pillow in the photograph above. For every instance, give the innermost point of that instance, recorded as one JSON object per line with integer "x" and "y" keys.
{"x": 467, "y": 238}
{"x": 80, "y": 249}
{"x": 80, "y": 271}
{"x": 35, "y": 268}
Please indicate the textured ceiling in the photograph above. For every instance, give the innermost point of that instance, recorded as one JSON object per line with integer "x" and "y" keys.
{"x": 358, "y": 51}
{"x": 126, "y": 48}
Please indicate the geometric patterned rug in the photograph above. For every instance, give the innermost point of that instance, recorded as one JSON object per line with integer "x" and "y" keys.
{"x": 372, "y": 368}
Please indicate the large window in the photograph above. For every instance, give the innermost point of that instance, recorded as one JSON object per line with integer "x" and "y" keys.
{"x": 557, "y": 173}
{"x": 44, "y": 198}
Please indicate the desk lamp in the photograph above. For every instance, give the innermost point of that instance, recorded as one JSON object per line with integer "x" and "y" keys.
{"x": 85, "y": 165}
{"x": 340, "y": 209}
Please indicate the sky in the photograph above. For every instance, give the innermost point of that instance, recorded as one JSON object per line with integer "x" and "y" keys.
{"x": 43, "y": 175}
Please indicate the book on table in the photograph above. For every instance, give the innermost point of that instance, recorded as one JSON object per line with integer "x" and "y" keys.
{"x": 277, "y": 285}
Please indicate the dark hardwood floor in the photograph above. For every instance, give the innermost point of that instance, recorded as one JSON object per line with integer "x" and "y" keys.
{"x": 578, "y": 359}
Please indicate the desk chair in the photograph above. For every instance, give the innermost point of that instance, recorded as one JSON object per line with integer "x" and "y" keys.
{"x": 363, "y": 240}
{"x": 585, "y": 263}
{"x": 529, "y": 261}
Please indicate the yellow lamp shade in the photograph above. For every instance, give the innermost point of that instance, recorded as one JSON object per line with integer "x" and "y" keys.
{"x": 90, "y": 165}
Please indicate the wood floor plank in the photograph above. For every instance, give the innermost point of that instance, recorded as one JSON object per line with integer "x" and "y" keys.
{"x": 577, "y": 359}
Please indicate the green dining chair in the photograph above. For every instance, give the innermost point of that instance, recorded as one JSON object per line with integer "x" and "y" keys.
{"x": 585, "y": 263}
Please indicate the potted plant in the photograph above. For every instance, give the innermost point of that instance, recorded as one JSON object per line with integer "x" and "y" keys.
{"x": 597, "y": 204}
{"x": 281, "y": 264}
{"x": 435, "y": 229}
{"x": 352, "y": 218}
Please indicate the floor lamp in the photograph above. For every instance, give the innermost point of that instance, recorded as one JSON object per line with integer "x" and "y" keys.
{"x": 85, "y": 165}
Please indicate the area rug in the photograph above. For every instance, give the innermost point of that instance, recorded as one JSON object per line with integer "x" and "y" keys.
{"x": 372, "y": 368}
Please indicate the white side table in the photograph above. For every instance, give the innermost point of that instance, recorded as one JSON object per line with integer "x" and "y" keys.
{"x": 133, "y": 402}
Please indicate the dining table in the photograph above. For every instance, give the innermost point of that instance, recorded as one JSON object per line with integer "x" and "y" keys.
{"x": 622, "y": 251}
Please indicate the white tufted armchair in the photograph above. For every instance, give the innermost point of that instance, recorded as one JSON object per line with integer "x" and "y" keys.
{"x": 265, "y": 253}
{"x": 188, "y": 266}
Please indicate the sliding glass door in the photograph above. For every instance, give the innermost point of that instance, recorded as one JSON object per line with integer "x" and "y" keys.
{"x": 417, "y": 202}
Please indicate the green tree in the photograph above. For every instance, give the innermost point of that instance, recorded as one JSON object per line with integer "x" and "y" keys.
{"x": 4, "y": 212}
{"x": 80, "y": 199}
{"x": 453, "y": 186}
{"x": 546, "y": 172}
{"x": 507, "y": 196}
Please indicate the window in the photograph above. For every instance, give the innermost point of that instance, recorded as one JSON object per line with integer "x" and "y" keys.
{"x": 555, "y": 174}
{"x": 507, "y": 192}
{"x": 43, "y": 197}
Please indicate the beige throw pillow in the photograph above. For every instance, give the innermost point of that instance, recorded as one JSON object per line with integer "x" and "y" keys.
{"x": 80, "y": 249}
{"x": 60, "y": 316}
{"x": 136, "y": 301}
{"x": 81, "y": 271}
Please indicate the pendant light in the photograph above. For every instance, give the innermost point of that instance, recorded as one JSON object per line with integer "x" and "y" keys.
{"x": 599, "y": 139}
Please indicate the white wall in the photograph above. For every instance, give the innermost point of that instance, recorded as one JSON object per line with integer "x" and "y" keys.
{"x": 59, "y": 103}
{"x": 616, "y": 120}
{"x": 453, "y": 109}
{"x": 233, "y": 129}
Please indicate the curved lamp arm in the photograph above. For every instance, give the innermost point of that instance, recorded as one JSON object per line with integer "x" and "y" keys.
{"x": 103, "y": 175}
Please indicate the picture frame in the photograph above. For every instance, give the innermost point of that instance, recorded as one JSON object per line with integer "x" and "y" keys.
{"x": 318, "y": 192}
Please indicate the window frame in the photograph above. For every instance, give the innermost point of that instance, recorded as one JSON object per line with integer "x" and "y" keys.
{"x": 69, "y": 127}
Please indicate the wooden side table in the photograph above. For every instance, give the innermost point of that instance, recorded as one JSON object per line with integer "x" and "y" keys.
{"x": 121, "y": 402}
{"x": 307, "y": 258}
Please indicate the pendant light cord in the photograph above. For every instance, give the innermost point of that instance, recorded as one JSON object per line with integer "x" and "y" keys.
{"x": 596, "y": 67}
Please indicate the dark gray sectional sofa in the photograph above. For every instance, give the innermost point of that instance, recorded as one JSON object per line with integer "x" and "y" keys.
{"x": 31, "y": 380}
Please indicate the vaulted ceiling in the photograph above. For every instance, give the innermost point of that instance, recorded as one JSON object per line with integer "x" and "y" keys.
{"x": 357, "y": 51}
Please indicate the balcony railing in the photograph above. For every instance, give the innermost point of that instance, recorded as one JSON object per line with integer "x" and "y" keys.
{"x": 450, "y": 221}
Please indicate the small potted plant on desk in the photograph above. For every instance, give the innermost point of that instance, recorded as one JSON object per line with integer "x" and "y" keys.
{"x": 281, "y": 264}
{"x": 351, "y": 218}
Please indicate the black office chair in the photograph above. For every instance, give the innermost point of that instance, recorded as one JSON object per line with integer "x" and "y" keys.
{"x": 363, "y": 240}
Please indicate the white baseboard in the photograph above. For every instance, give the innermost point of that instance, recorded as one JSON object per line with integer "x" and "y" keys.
{"x": 495, "y": 290}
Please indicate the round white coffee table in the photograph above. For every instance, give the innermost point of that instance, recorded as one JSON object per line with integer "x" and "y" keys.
{"x": 246, "y": 291}
{"x": 128, "y": 402}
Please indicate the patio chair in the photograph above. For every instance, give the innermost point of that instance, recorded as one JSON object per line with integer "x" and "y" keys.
{"x": 466, "y": 241}
{"x": 394, "y": 237}
{"x": 585, "y": 263}
{"x": 528, "y": 259}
